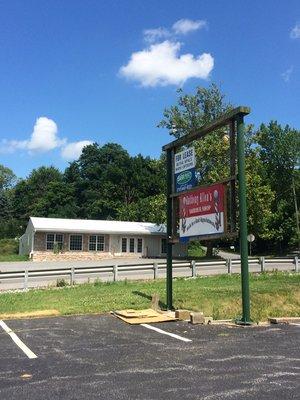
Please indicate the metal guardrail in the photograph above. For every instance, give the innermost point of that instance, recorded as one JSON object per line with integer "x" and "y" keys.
{"x": 114, "y": 270}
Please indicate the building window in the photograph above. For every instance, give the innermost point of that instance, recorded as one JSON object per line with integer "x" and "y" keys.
{"x": 131, "y": 245}
{"x": 163, "y": 246}
{"x": 96, "y": 243}
{"x": 50, "y": 241}
{"x": 76, "y": 242}
{"x": 53, "y": 240}
{"x": 140, "y": 245}
{"x": 124, "y": 245}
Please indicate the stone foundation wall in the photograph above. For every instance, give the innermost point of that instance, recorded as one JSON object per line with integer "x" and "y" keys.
{"x": 77, "y": 256}
{"x": 69, "y": 255}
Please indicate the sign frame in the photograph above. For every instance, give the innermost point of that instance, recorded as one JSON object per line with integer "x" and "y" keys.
{"x": 235, "y": 120}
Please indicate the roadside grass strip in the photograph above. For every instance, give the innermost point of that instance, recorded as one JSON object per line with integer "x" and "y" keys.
{"x": 17, "y": 340}
{"x": 272, "y": 294}
{"x": 173, "y": 335}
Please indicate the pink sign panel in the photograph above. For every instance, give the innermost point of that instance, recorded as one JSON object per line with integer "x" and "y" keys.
{"x": 202, "y": 211}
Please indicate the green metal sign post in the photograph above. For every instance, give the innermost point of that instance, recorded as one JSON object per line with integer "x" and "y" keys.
{"x": 235, "y": 119}
{"x": 243, "y": 220}
{"x": 169, "y": 229}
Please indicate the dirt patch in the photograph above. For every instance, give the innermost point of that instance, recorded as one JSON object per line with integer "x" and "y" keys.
{"x": 31, "y": 314}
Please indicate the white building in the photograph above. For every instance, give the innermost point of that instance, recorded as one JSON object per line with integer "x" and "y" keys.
{"x": 47, "y": 239}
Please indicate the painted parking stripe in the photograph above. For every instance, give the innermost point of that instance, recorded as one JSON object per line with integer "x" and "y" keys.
{"x": 166, "y": 333}
{"x": 17, "y": 340}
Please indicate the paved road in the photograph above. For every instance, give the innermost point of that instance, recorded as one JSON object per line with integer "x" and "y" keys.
{"x": 108, "y": 276}
{"x": 17, "y": 265}
{"x": 227, "y": 255}
{"x": 101, "y": 357}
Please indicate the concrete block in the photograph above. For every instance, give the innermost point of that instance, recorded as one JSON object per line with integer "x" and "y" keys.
{"x": 284, "y": 320}
{"x": 197, "y": 318}
{"x": 155, "y": 301}
{"x": 182, "y": 315}
{"x": 208, "y": 320}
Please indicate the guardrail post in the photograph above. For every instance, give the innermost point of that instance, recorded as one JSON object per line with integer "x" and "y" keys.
{"x": 115, "y": 273}
{"x": 262, "y": 264}
{"x": 26, "y": 279}
{"x": 193, "y": 266}
{"x": 72, "y": 276}
{"x": 155, "y": 269}
{"x": 229, "y": 265}
{"x": 296, "y": 261}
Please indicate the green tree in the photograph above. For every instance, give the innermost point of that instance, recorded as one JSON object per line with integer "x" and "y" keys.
{"x": 279, "y": 151}
{"x": 9, "y": 226}
{"x": 7, "y": 178}
{"x": 58, "y": 201}
{"x": 148, "y": 209}
{"x": 30, "y": 192}
{"x": 107, "y": 180}
{"x": 191, "y": 112}
{"x": 272, "y": 154}
{"x": 260, "y": 197}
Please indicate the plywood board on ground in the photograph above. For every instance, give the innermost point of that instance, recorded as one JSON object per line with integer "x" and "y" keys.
{"x": 130, "y": 313}
{"x": 136, "y": 317}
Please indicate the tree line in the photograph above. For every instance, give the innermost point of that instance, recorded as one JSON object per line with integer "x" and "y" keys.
{"x": 107, "y": 183}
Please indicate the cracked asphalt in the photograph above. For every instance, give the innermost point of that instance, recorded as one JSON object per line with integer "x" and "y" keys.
{"x": 101, "y": 357}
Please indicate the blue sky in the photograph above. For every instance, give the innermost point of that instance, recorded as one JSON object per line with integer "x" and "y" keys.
{"x": 78, "y": 71}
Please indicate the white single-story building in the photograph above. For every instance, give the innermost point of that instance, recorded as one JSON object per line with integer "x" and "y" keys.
{"x": 48, "y": 239}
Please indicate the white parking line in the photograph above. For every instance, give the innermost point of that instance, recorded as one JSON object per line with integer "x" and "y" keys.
{"x": 17, "y": 340}
{"x": 166, "y": 333}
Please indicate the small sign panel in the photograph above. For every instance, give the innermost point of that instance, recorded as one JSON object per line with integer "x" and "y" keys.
{"x": 202, "y": 212}
{"x": 251, "y": 238}
{"x": 185, "y": 160}
{"x": 185, "y": 180}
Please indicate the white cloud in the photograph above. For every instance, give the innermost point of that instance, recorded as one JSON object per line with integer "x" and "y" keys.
{"x": 286, "y": 75}
{"x": 180, "y": 27}
{"x": 10, "y": 146}
{"x": 295, "y": 32}
{"x": 72, "y": 151}
{"x": 44, "y": 138}
{"x": 161, "y": 65}
{"x": 184, "y": 26}
{"x": 152, "y": 35}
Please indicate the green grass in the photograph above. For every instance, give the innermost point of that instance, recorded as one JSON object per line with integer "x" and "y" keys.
{"x": 195, "y": 250}
{"x": 272, "y": 294}
{"x": 9, "y": 249}
{"x": 12, "y": 257}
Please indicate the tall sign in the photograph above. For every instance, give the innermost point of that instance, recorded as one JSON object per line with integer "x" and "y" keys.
{"x": 201, "y": 212}
{"x": 203, "y": 209}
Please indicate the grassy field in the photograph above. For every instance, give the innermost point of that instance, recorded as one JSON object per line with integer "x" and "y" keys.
{"x": 12, "y": 257}
{"x": 9, "y": 250}
{"x": 272, "y": 294}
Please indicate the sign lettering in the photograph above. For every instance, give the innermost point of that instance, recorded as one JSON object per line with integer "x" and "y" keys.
{"x": 185, "y": 160}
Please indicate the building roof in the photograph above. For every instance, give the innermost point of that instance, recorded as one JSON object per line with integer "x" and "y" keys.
{"x": 96, "y": 226}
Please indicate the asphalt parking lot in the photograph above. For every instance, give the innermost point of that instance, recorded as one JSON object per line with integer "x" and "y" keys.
{"x": 101, "y": 357}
